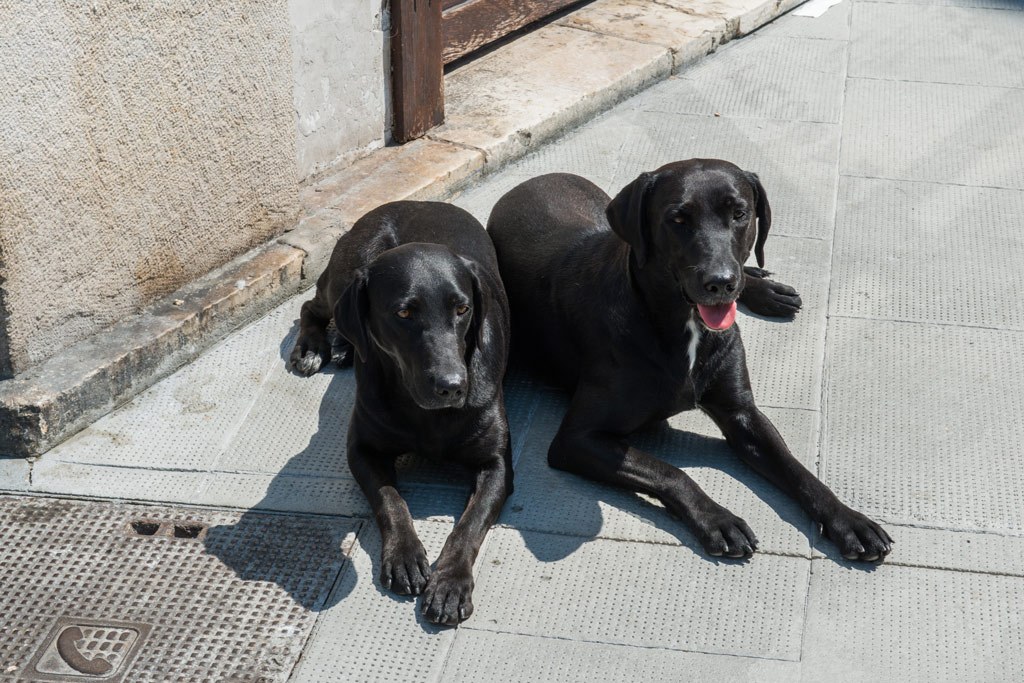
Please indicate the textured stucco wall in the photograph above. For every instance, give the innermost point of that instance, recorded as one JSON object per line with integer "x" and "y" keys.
{"x": 339, "y": 61}
{"x": 141, "y": 144}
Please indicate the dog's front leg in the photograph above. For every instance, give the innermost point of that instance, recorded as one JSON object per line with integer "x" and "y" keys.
{"x": 448, "y": 597}
{"x": 600, "y": 456}
{"x": 404, "y": 564}
{"x": 754, "y": 438}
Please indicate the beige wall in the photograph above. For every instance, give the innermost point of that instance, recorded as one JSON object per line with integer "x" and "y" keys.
{"x": 141, "y": 145}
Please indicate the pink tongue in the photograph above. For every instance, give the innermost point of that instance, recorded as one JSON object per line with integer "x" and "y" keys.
{"x": 718, "y": 317}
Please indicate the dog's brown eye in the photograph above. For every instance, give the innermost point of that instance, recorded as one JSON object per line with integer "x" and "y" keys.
{"x": 678, "y": 219}
{"x": 403, "y": 314}
{"x": 739, "y": 214}
{"x": 462, "y": 309}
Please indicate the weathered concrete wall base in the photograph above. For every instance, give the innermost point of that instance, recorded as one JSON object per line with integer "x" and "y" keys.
{"x": 142, "y": 145}
{"x": 47, "y": 404}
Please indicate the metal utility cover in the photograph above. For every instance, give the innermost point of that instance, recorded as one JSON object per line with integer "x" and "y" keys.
{"x": 103, "y": 592}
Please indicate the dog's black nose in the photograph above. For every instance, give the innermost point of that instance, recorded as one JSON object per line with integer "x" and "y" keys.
{"x": 450, "y": 386}
{"x": 721, "y": 283}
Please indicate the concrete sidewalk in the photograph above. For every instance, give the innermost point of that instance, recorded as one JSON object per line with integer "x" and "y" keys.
{"x": 890, "y": 140}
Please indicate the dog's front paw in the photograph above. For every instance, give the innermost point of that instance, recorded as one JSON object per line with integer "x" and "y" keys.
{"x": 448, "y": 598}
{"x": 723, "y": 533}
{"x": 404, "y": 567}
{"x": 770, "y": 298}
{"x": 309, "y": 356}
{"x": 858, "y": 537}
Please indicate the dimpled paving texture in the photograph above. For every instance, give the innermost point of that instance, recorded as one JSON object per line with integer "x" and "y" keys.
{"x": 795, "y": 161}
{"x": 640, "y": 594}
{"x": 550, "y": 500}
{"x": 911, "y": 43}
{"x": 528, "y": 659}
{"x": 236, "y": 603}
{"x": 988, "y": 553}
{"x": 372, "y": 634}
{"x": 890, "y": 130}
{"x": 790, "y": 79}
{"x": 920, "y": 625}
{"x": 911, "y": 445}
{"x": 784, "y": 357}
{"x": 833, "y": 25}
{"x": 949, "y": 261}
{"x": 187, "y": 417}
{"x": 975, "y": 4}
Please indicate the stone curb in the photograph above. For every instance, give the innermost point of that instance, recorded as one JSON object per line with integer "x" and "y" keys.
{"x": 498, "y": 108}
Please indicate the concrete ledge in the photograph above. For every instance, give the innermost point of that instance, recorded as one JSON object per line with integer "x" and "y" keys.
{"x": 498, "y": 108}
{"x": 52, "y": 401}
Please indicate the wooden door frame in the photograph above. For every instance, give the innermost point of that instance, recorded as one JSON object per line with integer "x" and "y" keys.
{"x": 427, "y": 34}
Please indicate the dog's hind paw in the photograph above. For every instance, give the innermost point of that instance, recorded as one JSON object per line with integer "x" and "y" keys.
{"x": 307, "y": 358}
{"x": 448, "y": 598}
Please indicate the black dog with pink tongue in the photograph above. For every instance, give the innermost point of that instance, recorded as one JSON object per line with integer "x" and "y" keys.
{"x": 630, "y": 303}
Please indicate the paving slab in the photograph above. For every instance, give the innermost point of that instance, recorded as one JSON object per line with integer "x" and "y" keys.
{"x": 144, "y": 593}
{"x": 370, "y": 634}
{"x": 787, "y": 78}
{"x": 796, "y": 161}
{"x": 525, "y": 659}
{"x": 898, "y": 623}
{"x": 1012, "y": 5}
{"x": 912, "y": 43}
{"x": 937, "y": 132}
{"x": 833, "y": 25}
{"x": 918, "y": 424}
{"x": 184, "y": 421}
{"x": 947, "y": 262}
{"x": 558, "y": 502}
{"x": 935, "y": 548}
{"x": 642, "y": 594}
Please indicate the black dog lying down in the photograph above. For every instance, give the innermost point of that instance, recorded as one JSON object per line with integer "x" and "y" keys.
{"x": 630, "y": 303}
{"x": 414, "y": 290}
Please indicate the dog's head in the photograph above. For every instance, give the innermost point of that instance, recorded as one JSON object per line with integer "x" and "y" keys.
{"x": 696, "y": 221}
{"x": 422, "y": 307}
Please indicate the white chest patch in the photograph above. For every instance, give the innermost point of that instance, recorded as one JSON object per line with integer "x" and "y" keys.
{"x": 691, "y": 347}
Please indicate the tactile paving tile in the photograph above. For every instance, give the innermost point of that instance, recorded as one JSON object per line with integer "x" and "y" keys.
{"x": 234, "y": 602}
{"x": 949, "y": 260}
{"x": 790, "y": 79}
{"x": 641, "y": 594}
{"x": 923, "y": 423}
{"x": 184, "y": 420}
{"x": 527, "y": 659}
{"x": 833, "y": 25}
{"x": 549, "y": 500}
{"x": 915, "y": 625}
{"x": 784, "y": 357}
{"x": 369, "y": 633}
{"x": 912, "y": 43}
{"x": 968, "y": 135}
{"x": 134, "y": 482}
{"x": 986, "y": 553}
{"x": 797, "y": 162}
{"x": 13, "y": 474}
{"x": 975, "y": 4}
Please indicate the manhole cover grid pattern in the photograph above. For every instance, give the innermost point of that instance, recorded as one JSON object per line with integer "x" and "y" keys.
{"x": 235, "y": 604}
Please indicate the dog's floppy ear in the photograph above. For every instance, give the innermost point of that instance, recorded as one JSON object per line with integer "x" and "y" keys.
{"x": 627, "y": 214}
{"x": 764, "y": 216}
{"x": 350, "y": 313}
{"x": 481, "y": 300}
